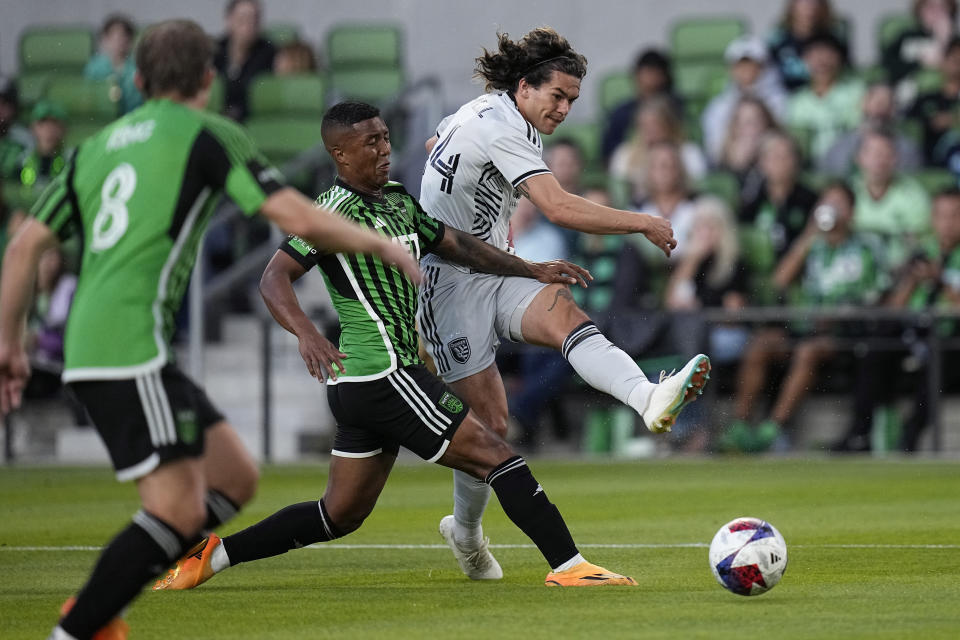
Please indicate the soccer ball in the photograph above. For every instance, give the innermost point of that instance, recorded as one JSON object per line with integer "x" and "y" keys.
{"x": 748, "y": 556}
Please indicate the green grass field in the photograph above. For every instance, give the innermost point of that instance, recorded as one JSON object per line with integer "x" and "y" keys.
{"x": 874, "y": 553}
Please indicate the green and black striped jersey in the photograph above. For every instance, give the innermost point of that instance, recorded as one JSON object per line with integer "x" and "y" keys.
{"x": 377, "y": 305}
{"x": 140, "y": 193}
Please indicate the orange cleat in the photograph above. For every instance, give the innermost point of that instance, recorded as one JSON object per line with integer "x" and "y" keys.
{"x": 116, "y": 629}
{"x": 193, "y": 569}
{"x": 587, "y": 575}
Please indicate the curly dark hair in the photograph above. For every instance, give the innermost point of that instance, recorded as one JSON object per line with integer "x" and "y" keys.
{"x": 533, "y": 58}
{"x": 344, "y": 115}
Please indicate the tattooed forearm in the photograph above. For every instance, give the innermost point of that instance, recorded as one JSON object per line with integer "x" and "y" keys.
{"x": 561, "y": 293}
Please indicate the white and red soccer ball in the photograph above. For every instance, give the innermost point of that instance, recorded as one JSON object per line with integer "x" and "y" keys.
{"x": 748, "y": 556}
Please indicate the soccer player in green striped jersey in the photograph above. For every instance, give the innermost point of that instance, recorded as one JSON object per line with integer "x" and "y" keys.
{"x": 383, "y": 397}
{"x": 140, "y": 193}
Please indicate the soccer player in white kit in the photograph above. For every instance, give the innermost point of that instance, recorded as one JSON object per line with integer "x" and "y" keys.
{"x": 482, "y": 160}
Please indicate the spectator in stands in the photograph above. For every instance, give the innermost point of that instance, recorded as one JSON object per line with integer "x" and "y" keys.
{"x": 936, "y": 111}
{"x": 48, "y": 321}
{"x": 652, "y": 77}
{"x": 294, "y": 58}
{"x": 879, "y": 112}
{"x": 657, "y": 122}
{"x": 803, "y": 21}
{"x": 830, "y": 105}
{"x": 890, "y": 204}
{"x": 242, "y": 54}
{"x": 15, "y": 139}
{"x": 668, "y": 194}
{"x": 113, "y": 61}
{"x": 750, "y": 76}
{"x": 834, "y": 266}
{"x": 780, "y": 210}
{"x": 929, "y": 281}
{"x": 48, "y": 124}
{"x": 740, "y": 154}
{"x": 565, "y": 160}
{"x": 923, "y": 46}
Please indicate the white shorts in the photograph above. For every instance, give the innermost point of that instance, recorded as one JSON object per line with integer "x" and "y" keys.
{"x": 463, "y": 314}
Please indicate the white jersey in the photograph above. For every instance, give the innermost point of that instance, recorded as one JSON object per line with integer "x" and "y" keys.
{"x": 484, "y": 151}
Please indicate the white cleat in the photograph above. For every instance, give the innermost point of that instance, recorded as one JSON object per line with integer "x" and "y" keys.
{"x": 674, "y": 392}
{"x": 477, "y": 564}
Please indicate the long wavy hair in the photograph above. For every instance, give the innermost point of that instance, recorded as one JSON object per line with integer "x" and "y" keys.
{"x": 533, "y": 58}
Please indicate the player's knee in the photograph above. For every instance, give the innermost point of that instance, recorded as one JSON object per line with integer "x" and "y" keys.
{"x": 349, "y": 519}
{"x": 186, "y": 516}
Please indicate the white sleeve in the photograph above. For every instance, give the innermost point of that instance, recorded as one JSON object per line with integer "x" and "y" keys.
{"x": 516, "y": 158}
{"x": 443, "y": 125}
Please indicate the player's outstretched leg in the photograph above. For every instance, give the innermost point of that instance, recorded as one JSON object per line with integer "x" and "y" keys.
{"x": 352, "y": 490}
{"x": 477, "y": 450}
{"x": 553, "y": 319}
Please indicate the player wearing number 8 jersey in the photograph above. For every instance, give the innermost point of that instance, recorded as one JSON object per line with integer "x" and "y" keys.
{"x": 140, "y": 193}
{"x": 483, "y": 158}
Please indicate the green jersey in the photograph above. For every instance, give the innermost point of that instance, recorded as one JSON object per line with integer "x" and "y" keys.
{"x": 377, "y": 305}
{"x": 846, "y": 274}
{"x": 140, "y": 193}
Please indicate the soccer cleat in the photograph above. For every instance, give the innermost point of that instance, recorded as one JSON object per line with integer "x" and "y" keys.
{"x": 587, "y": 575}
{"x": 477, "y": 564}
{"x": 116, "y": 629}
{"x": 193, "y": 569}
{"x": 674, "y": 392}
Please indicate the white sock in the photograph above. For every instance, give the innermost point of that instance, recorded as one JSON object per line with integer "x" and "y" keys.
{"x": 219, "y": 560}
{"x": 470, "y": 497}
{"x": 59, "y": 634}
{"x": 605, "y": 367}
{"x": 571, "y": 563}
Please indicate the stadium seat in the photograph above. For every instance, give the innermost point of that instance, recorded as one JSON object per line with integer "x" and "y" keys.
{"x": 376, "y": 85}
{"x": 282, "y": 138}
{"x": 934, "y": 180}
{"x": 616, "y": 88}
{"x": 721, "y": 184}
{"x": 77, "y": 132}
{"x": 295, "y": 95}
{"x": 280, "y": 34}
{"x": 891, "y": 25}
{"x": 928, "y": 80}
{"x": 700, "y": 78}
{"x": 218, "y": 95}
{"x": 587, "y": 137}
{"x": 704, "y": 38}
{"x": 365, "y": 45}
{"x": 56, "y": 49}
{"x": 84, "y": 99}
{"x": 32, "y": 87}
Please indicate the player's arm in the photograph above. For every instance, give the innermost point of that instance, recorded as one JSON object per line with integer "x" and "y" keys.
{"x": 276, "y": 287}
{"x": 17, "y": 280}
{"x": 292, "y": 212}
{"x": 430, "y": 144}
{"x": 573, "y": 212}
{"x": 463, "y": 248}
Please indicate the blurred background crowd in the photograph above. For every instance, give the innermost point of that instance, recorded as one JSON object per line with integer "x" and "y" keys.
{"x": 798, "y": 183}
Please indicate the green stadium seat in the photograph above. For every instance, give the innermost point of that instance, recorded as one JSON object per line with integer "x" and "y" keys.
{"x": 585, "y": 134}
{"x": 218, "y": 95}
{"x": 935, "y": 180}
{"x": 700, "y": 78}
{"x": 297, "y": 95}
{"x": 84, "y": 99}
{"x": 869, "y": 75}
{"x": 365, "y": 45}
{"x": 376, "y": 85}
{"x": 704, "y": 38}
{"x": 57, "y": 49}
{"x": 32, "y": 87}
{"x": 282, "y": 138}
{"x": 77, "y": 132}
{"x": 928, "y": 80}
{"x": 891, "y": 25}
{"x": 616, "y": 88}
{"x": 721, "y": 184}
{"x": 280, "y": 34}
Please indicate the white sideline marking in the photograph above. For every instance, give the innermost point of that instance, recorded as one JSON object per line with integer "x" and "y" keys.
{"x": 675, "y": 545}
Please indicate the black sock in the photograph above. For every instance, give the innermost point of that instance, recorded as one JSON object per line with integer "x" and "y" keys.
{"x": 220, "y": 509}
{"x": 526, "y": 504}
{"x": 140, "y": 552}
{"x": 290, "y": 528}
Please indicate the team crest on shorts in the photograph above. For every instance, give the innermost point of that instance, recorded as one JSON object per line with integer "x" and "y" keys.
{"x": 459, "y": 349}
{"x": 451, "y": 403}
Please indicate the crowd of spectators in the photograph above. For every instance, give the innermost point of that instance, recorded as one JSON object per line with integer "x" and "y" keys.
{"x": 797, "y": 179}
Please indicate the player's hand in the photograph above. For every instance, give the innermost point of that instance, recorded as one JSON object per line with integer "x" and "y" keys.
{"x": 396, "y": 255}
{"x": 321, "y": 356}
{"x": 561, "y": 272}
{"x": 14, "y": 373}
{"x": 660, "y": 233}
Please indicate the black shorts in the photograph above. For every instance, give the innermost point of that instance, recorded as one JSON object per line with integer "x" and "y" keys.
{"x": 409, "y": 407}
{"x": 148, "y": 420}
